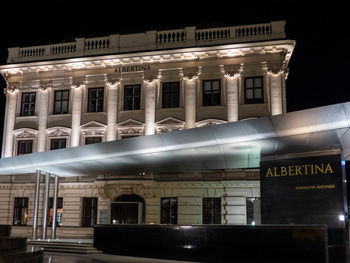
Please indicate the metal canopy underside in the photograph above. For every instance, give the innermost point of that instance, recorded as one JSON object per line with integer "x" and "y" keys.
{"x": 226, "y": 146}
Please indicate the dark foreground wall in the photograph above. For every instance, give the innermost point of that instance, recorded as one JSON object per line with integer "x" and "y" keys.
{"x": 14, "y": 249}
{"x": 216, "y": 243}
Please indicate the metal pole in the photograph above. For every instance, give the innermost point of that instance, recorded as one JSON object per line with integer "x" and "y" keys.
{"x": 46, "y": 204}
{"x": 54, "y": 209}
{"x": 36, "y": 204}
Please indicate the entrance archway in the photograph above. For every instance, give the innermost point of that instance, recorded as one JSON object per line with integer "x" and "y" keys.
{"x": 128, "y": 209}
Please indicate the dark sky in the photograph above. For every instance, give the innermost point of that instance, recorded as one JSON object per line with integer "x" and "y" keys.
{"x": 318, "y": 68}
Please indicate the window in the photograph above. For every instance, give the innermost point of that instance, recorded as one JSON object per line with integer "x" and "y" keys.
{"x": 20, "y": 212}
{"x": 170, "y": 95}
{"x": 132, "y": 97}
{"x": 95, "y": 100}
{"x": 253, "y": 210}
{"x": 92, "y": 140}
{"x": 58, "y": 144}
{"x": 168, "y": 213}
{"x": 89, "y": 211}
{"x": 211, "y": 93}
{"x": 253, "y": 88}
{"x": 28, "y": 104}
{"x": 211, "y": 210}
{"x": 58, "y": 212}
{"x": 61, "y": 100}
{"x": 24, "y": 147}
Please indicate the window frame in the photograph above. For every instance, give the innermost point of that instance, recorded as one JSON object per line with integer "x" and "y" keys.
{"x": 211, "y": 93}
{"x": 133, "y": 96}
{"x": 172, "y": 94}
{"x": 50, "y": 210}
{"x": 93, "y": 210}
{"x": 61, "y": 101}
{"x": 254, "y": 100}
{"x": 29, "y": 103}
{"x": 212, "y": 216}
{"x": 58, "y": 140}
{"x": 25, "y": 202}
{"x": 169, "y": 210}
{"x": 24, "y": 141}
{"x": 96, "y": 99}
{"x": 93, "y": 138}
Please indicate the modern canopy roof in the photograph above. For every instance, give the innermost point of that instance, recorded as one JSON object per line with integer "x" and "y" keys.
{"x": 226, "y": 146}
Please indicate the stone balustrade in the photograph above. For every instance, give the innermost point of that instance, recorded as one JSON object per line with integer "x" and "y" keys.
{"x": 149, "y": 40}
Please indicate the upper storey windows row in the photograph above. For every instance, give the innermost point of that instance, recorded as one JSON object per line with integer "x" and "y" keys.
{"x": 211, "y": 95}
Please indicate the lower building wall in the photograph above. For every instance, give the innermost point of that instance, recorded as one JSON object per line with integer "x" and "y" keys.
{"x": 189, "y": 194}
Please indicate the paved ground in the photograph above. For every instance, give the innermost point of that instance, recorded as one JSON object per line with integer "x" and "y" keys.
{"x": 100, "y": 258}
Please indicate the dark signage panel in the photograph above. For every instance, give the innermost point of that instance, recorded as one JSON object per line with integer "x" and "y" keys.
{"x": 305, "y": 191}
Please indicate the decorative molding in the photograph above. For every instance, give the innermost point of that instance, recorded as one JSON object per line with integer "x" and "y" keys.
{"x": 209, "y": 122}
{"x": 58, "y": 132}
{"x": 45, "y": 84}
{"x": 169, "y": 124}
{"x": 25, "y": 133}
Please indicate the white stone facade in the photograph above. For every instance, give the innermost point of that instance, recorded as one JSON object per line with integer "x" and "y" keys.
{"x": 187, "y": 56}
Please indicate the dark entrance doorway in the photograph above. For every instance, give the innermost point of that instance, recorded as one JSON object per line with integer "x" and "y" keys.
{"x": 128, "y": 209}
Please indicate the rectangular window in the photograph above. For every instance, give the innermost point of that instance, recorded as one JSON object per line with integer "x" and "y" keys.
{"x": 58, "y": 212}
{"x": 170, "y": 94}
{"x": 211, "y": 210}
{"x": 20, "y": 212}
{"x": 89, "y": 211}
{"x": 24, "y": 147}
{"x": 253, "y": 90}
{"x": 92, "y": 140}
{"x": 168, "y": 213}
{"x": 211, "y": 92}
{"x": 28, "y": 104}
{"x": 61, "y": 102}
{"x": 95, "y": 99}
{"x": 58, "y": 144}
{"x": 132, "y": 94}
{"x": 253, "y": 210}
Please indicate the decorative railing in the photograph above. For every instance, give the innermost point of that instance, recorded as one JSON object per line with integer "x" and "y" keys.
{"x": 150, "y": 40}
{"x": 172, "y": 36}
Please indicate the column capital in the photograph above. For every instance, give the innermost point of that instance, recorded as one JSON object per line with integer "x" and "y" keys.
{"x": 114, "y": 80}
{"x": 12, "y": 88}
{"x": 190, "y": 74}
{"x": 78, "y": 82}
{"x": 45, "y": 84}
{"x": 232, "y": 71}
{"x": 151, "y": 77}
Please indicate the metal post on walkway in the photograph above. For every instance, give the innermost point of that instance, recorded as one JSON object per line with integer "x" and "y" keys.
{"x": 46, "y": 204}
{"x": 54, "y": 208}
{"x": 36, "y": 204}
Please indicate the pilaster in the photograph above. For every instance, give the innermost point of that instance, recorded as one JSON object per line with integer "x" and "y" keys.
{"x": 112, "y": 87}
{"x": 77, "y": 88}
{"x": 150, "y": 82}
{"x": 10, "y": 118}
{"x": 42, "y": 116}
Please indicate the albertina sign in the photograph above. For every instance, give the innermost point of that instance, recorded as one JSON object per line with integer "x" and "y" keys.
{"x": 307, "y": 190}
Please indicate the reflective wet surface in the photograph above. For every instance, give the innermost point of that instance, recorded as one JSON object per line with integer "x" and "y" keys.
{"x": 99, "y": 258}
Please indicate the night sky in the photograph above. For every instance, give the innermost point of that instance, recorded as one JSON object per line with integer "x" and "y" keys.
{"x": 318, "y": 69}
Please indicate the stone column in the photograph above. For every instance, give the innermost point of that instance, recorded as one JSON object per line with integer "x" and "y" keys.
{"x": 232, "y": 97}
{"x": 54, "y": 208}
{"x": 76, "y": 114}
{"x": 36, "y": 204}
{"x": 46, "y": 205}
{"x": 10, "y": 119}
{"x": 112, "y": 111}
{"x": 276, "y": 90}
{"x": 43, "y": 107}
{"x": 190, "y": 102}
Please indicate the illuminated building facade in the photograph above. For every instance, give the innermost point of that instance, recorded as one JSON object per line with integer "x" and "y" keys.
{"x": 96, "y": 90}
